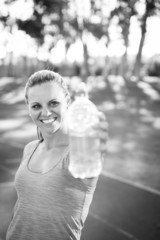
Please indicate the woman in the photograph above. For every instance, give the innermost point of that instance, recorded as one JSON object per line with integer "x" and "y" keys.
{"x": 51, "y": 203}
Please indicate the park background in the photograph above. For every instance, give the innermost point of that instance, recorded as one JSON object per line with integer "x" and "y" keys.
{"x": 113, "y": 46}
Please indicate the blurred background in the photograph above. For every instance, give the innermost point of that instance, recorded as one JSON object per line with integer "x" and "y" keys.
{"x": 113, "y": 46}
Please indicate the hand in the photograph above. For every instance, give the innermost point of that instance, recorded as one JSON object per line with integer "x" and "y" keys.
{"x": 102, "y": 133}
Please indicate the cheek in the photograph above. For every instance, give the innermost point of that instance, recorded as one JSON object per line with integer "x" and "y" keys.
{"x": 64, "y": 117}
{"x": 64, "y": 111}
{"x": 33, "y": 114}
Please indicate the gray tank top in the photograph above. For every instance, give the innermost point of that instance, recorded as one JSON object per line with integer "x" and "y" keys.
{"x": 51, "y": 205}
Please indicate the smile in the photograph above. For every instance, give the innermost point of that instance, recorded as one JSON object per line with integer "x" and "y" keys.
{"x": 47, "y": 121}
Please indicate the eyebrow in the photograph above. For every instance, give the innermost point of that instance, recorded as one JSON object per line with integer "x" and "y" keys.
{"x": 54, "y": 99}
{"x": 32, "y": 103}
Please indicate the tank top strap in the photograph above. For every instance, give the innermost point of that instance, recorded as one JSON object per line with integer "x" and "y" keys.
{"x": 65, "y": 158}
{"x": 30, "y": 151}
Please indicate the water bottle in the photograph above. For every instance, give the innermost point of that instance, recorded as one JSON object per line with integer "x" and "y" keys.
{"x": 85, "y": 160}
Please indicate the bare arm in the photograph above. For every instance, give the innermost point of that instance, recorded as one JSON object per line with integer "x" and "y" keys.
{"x": 8, "y": 198}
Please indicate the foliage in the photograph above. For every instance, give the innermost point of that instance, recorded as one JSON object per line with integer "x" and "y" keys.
{"x": 152, "y": 7}
{"x": 60, "y": 19}
{"x": 153, "y": 66}
{"x": 124, "y": 11}
{"x": 46, "y": 13}
{"x": 34, "y": 27}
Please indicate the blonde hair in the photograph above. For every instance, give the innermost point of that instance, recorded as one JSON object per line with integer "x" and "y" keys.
{"x": 44, "y": 76}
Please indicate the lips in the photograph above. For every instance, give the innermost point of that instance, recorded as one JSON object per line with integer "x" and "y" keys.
{"x": 48, "y": 121}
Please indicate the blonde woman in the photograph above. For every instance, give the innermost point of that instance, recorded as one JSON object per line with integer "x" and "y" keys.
{"x": 51, "y": 203}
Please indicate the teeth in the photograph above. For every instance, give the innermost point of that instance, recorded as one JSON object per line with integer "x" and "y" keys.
{"x": 49, "y": 120}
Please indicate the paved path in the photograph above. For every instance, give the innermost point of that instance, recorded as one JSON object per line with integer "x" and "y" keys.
{"x": 119, "y": 211}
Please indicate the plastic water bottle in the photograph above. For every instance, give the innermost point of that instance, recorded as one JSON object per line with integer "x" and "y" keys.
{"x": 85, "y": 160}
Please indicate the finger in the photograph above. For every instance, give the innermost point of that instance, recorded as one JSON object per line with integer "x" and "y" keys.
{"x": 104, "y": 126}
{"x": 103, "y": 156}
{"x": 101, "y": 125}
{"x": 103, "y": 149}
{"x": 103, "y": 137}
{"x": 102, "y": 116}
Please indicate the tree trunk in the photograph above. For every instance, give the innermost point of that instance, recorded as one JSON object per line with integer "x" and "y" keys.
{"x": 85, "y": 69}
{"x": 138, "y": 61}
{"x": 124, "y": 62}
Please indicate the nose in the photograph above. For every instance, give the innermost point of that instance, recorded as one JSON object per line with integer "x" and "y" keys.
{"x": 46, "y": 112}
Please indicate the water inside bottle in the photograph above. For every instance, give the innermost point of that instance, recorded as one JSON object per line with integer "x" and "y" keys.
{"x": 85, "y": 157}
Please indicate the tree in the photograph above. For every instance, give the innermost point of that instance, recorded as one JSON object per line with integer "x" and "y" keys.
{"x": 124, "y": 11}
{"x": 46, "y": 13}
{"x": 152, "y": 7}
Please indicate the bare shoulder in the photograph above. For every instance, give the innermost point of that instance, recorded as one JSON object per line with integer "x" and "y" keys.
{"x": 30, "y": 146}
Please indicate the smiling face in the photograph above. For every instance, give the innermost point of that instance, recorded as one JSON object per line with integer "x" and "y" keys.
{"x": 47, "y": 106}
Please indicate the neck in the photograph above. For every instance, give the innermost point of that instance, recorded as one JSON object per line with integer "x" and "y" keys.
{"x": 56, "y": 139}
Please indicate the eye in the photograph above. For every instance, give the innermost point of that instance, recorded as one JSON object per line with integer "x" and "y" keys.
{"x": 36, "y": 106}
{"x": 54, "y": 103}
